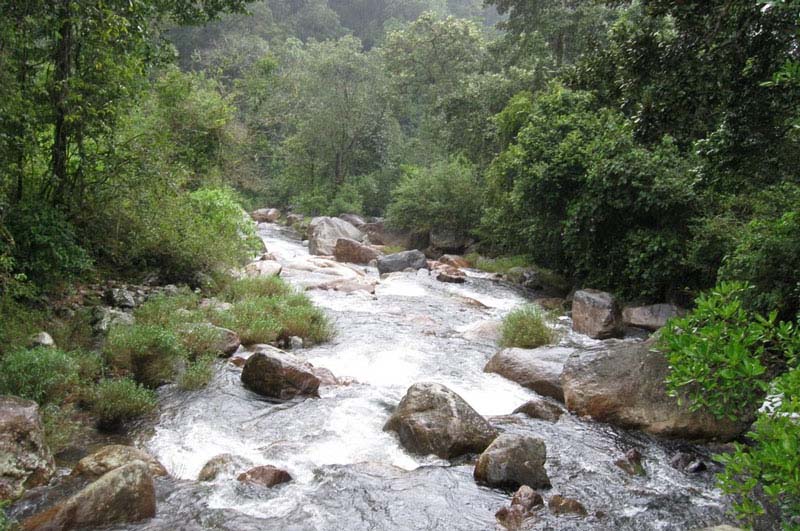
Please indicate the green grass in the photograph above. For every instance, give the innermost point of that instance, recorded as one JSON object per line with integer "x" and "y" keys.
{"x": 392, "y": 249}
{"x": 44, "y": 375}
{"x": 117, "y": 401}
{"x": 497, "y": 265}
{"x": 527, "y": 327}
{"x": 148, "y": 353}
{"x": 245, "y": 288}
{"x": 169, "y": 310}
{"x": 197, "y": 374}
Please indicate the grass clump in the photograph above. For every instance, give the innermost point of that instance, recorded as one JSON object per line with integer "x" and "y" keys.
{"x": 252, "y": 320}
{"x": 148, "y": 353}
{"x": 244, "y": 288}
{"x": 197, "y": 374}
{"x": 117, "y": 401}
{"x": 527, "y": 327}
{"x": 497, "y": 265}
{"x": 169, "y": 310}
{"x": 44, "y": 375}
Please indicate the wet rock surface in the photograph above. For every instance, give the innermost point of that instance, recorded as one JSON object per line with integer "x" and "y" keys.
{"x": 265, "y": 476}
{"x": 401, "y": 261}
{"x": 112, "y": 457}
{"x": 538, "y": 369}
{"x": 25, "y": 459}
{"x": 512, "y": 461}
{"x": 277, "y": 374}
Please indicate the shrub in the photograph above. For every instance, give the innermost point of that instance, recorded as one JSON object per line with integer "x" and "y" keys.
{"x": 45, "y": 375}
{"x": 527, "y": 327}
{"x": 252, "y": 320}
{"x": 149, "y": 353}
{"x": 197, "y": 374}
{"x": 243, "y": 288}
{"x": 446, "y": 195}
{"x": 305, "y": 321}
{"x": 117, "y": 401}
{"x": 725, "y": 356}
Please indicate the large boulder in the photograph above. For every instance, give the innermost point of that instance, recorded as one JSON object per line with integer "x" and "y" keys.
{"x": 325, "y": 231}
{"x": 114, "y": 456}
{"x": 347, "y": 250}
{"x": 596, "y": 314}
{"x": 650, "y": 317}
{"x": 125, "y": 494}
{"x": 432, "y": 419}
{"x": 278, "y": 374}
{"x": 512, "y": 461}
{"x": 623, "y": 385}
{"x": 378, "y": 234}
{"x": 401, "y": 261}
{"x": 447, "y": 241}
{"x": 25, "y": 460}
{"x": 266, "y": 215}
{"x": 266, "y": 476}
{"x": 538, "y": 369}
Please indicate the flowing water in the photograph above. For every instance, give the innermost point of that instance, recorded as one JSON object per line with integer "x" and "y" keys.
{"x": 351, "y": 475}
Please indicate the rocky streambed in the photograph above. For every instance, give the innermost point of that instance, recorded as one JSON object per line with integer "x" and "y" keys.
{"x": 347, "y": 472}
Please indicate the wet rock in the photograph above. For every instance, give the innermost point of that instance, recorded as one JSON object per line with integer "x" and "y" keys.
{"x": 238, "y": 361}
{"x": 42, "y": 339}
{"x": 560, "y": 505}
{"x": 114, "y": 456}
{"x": 483, "y": 331}
{"x": 266, "y": 215}
{"x": 454, "y": 260}
{"x": 266, "y": 476}
{"x": 103, "y": 318}
{"x": 539, "y": 408}
{"x": 325, "y": 231}
{"x": 447, "y": 241}
{"x": 25, "y": 460}
{"x": 353, "y": 219}
{"x": 223, "y": 465}
{"x": 538, "y": 369}
{"x": 432, "y": 419}
{"x": 263, "y": 268}
{"x": 650, "y": 317}
{"x": 295, "y": 342}
{"x": 596, "y": 314}
{"x": 631, "y": 464}
{"x": 125, "y": 494}
{"x": 347, "y": 250}
{"x": 450, "y": 274}
{"x": 278, "y": 374}
{"x": 120, "y": 298}
{"x": 623, "y": 384}
{"x": 346, "y": 285}
{"x": 512, "y": 461}
{"x": 401, "y": 261}
{"x": 523, "y": 504}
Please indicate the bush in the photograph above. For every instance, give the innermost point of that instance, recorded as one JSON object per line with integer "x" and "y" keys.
{"x": 117, "y": 401}
{"x": 724, "y": 356}
{"x": 44, "y": 375}
{"x": 149, "y": 353}
{"x": 197, "y": 374}
{"x": 446, "y": 195}
{"x": 527, "y": 327}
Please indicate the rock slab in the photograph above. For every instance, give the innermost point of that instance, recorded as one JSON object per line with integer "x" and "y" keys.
{"x": 432, "y": 419}
{"x": 25, "y": 460}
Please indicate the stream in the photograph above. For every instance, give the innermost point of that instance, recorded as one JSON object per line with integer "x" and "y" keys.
{"x": 351, "y": 475}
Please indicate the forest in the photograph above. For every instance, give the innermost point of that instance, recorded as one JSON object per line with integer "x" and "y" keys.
{"x": 648, "y": 148}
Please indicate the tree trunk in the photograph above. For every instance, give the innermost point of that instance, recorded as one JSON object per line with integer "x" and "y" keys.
{"x": 63, "y": 70}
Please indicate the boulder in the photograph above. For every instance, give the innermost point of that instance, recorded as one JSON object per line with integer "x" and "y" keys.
{"x": 450, "y": 274}
{"x": 454, "y": 260}
{"x": 560, "y": 505}
{"x": 266, "y": 476}
{"x": 538, "y": 369}
{"x": 523, "y": 504}
{"x": 623, "y": 384}
{"x": 650, "y": 317}
{"x": 293, "y": 219}
{"x": 596, "y": 314}
{"x": 25, "y": 460}
{"x": 432, "y": 419}
{"x": 353, "y": 219}
{"x": 114, "y": 456}
{"x": 512, "y": 461}
{"x": 377, "y": 234}
{"x": 120, "y": 298}
{"x": 125, "y": 494}
{"x": 223, "y": 465}
{"x": 325, "y": 231}
{"x": 401, "y": 261}
{"x": 278, "y": 374}
{"x": 266, "y": 215}
{"x": 347, "y": 250}
{"x": 447, "y": 240}
{"x": 42, "y": 339}
{"x": 104, "y": 318}
{"x": 539, "y": 408}
{"x": 263, "y": 268}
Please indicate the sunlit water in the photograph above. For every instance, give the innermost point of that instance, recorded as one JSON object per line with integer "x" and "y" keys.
{"x": 351, "y": 475}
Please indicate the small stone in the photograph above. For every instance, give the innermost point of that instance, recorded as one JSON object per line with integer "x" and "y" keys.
{"x": 539, "y": 408}
{"x": 561, "y": 505}
{"x": 266, "y": 476}
{"x": 223, "y": 464}
{"x": 632, "y": 463}
{"x": 42, "y": 339}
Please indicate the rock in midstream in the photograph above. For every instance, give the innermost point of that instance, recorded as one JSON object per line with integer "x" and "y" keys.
{"x": 278, "y": 374}
{"x": 432, "y": 419}
{"x": 512, "y": 461}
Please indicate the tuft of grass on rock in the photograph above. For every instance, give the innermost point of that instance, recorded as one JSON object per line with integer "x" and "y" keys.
{"x": 246, "y": 288}
{"x": 169, "y": 311}
{"x": 197, "y": 374}
{"x": 527, "y": 327}
{"x": 118, "y": 401}
{"x": 148, "y": 353}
